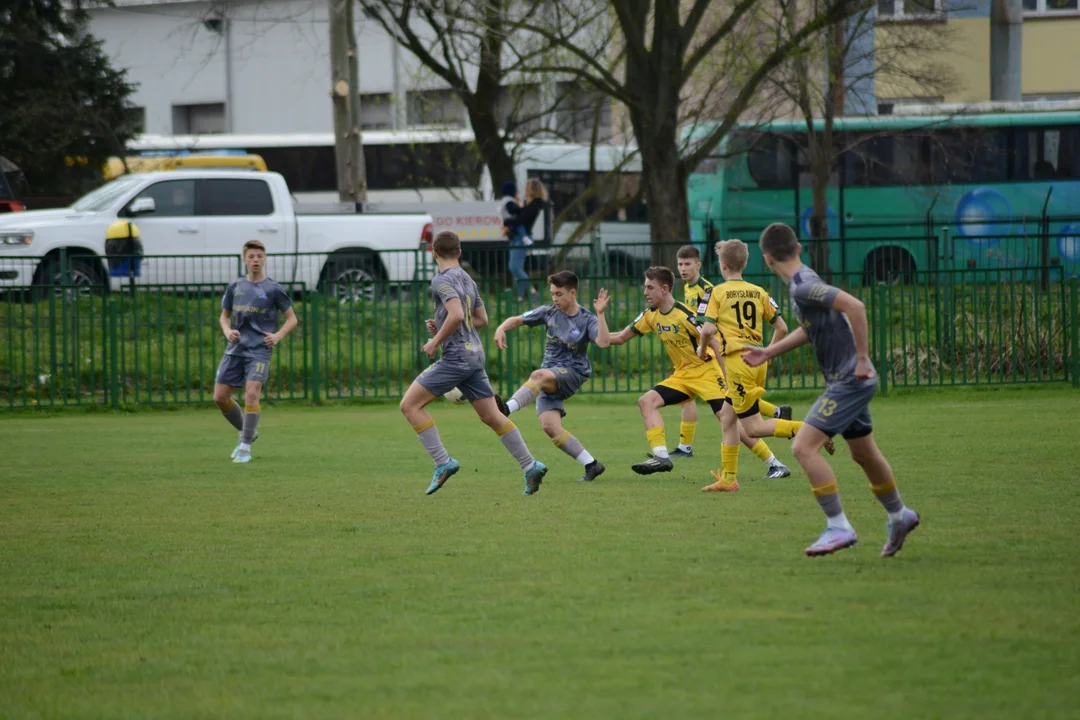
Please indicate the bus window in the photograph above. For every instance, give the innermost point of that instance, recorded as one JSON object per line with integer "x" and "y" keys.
{"x": 1045, "y": 153}
{"x": 772, "y": 162}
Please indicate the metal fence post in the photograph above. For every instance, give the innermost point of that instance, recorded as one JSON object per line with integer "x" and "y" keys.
{"x": 113, "y": 372}
{"x": 313, "y": 369}
{"x": 1074, "y": 322}
{"x": 882, "y": 340}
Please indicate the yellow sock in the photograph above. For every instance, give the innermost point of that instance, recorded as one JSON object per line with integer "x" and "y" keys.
{"x": 657, "y": 441}
{"x": 686, "y": 433}
{"x": 787, "y": 428}
{"x": 729, "y": 456}
{"x": 766, "y": 408}
{"x": 762, "y": 451}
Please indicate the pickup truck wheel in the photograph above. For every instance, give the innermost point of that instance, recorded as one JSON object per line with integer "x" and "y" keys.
{"x": 82, "y": 279}
{"x": 352, "y": 280}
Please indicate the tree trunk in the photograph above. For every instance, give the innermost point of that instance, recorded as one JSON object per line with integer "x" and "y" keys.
{"x": 489, "y": 141}
{"x": 665, "y": 197}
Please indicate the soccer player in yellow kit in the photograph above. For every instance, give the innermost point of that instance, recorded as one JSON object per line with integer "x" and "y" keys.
{"x": 739, "y": 310}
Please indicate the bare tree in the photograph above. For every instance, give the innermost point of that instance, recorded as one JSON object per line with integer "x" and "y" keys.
{"x": 670, "y": 51}
{"x": 842, "y": 64}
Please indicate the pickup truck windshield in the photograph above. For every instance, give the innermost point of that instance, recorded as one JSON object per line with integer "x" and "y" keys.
{"x": 106, "y": 195}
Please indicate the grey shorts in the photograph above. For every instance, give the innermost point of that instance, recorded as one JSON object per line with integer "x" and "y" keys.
{"x": 237, "y": 370}
{"x": 844, "y": 410}
{"x": 568, "y": 381}
{"x": 464, "y": 372}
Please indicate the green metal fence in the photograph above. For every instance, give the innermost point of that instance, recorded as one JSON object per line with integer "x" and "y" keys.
{"x": 152, "y": 344}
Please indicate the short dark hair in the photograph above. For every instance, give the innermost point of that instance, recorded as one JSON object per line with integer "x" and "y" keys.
{"x": 564, "y": 279}
{"x": 662, "y": 275}
{"x": 779, "y": 241}
{"x": 446, "y": 244}
{"x": 688, "y": 252}
{"x": 252, "y": 245}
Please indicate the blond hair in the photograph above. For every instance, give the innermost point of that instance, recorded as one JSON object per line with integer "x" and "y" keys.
{"x": 252, "y": 245}
{"x": 535, "y": 189}
{"x": 733, "y": 253}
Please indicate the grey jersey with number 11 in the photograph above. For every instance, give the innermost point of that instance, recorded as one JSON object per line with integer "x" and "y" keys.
{"x": 452, "y": 283}
{"x": 828, "y": 329}
{"x": 568, "y": 336}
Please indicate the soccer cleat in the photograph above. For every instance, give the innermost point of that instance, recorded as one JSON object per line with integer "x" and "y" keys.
{"x": 501, "y": 404}
{"x": 680, "y": 453}
{"x": 830, "y": 446}
{"x": 831, "y": 540}
{"x": 778, "y": 470}
{"x": 653, "y": 465}
{"x": 592, "y": 471}
{"x": 783, "y": 412}
{"x": 721, "y": 485}
{"x": 534, "y": 476}
{"x": 898, "y": 532}
{"x": 241, "y": 439}
{"x": 242, "y": 456}
{"x": 442, "y": 474}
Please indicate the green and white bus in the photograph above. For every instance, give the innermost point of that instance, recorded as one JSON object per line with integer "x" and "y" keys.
{"x": 907, "y": 193}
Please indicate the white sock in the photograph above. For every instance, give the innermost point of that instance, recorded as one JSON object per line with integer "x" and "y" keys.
{"x": 840, "y": 522}
{"x": 773, "y": 461}
{"x": 896, "y": 516}
{"x": 513, "y": 406}
{"x": 776, "y": 412}
{"x": 585, "y": 458}
{"x": 686, "y": 448}
{"x": 245, "y": 447}
{"x": 660, "y": 452}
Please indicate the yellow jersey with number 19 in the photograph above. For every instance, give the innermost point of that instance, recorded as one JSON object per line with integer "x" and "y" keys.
{"x": 739, "y": 310}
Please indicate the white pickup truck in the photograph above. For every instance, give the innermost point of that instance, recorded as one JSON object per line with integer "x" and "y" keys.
{"x": 193, "y": 224}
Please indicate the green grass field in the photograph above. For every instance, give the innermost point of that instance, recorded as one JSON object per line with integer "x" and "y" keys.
{"x": 144, "y": 575}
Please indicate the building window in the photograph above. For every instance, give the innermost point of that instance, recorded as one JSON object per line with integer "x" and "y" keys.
{"x": 578, "y": 109}
{"x": 905, "y": 9}
{"x": 376, "y": 111}
{"x": 435, "y": 107}
{"x": 201, "y": 119}
{"x": 521, "y": 110}
{"x": 1051, "y": 7}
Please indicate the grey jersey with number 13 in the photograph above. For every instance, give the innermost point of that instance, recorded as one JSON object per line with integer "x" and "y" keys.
{"x": 456, "y": 283}
{"x": 828, "y": 329}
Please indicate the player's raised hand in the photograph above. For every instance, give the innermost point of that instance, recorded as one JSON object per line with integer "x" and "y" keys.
{"x": 601, "y": 302}
{"x": 754, "y": 356}
{"x": 864, "y": 369}
{"x": 500, "y": 338}
{"x": 431, "y": 326}
{"x": 233, "y": 336}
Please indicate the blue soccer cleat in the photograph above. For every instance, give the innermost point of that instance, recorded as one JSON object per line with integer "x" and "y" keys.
{"x": 241, "y": 456}
{"x": 442, "y": 474}
{"x": 534, "y": 476}
{"x": 831, "y": 540}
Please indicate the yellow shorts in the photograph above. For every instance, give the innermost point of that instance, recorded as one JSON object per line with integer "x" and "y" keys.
{"x": 705, "y": 382}
{"x": 746, "y": 384}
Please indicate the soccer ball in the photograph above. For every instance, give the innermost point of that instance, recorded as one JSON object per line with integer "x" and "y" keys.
{"x": 455, "y": 396}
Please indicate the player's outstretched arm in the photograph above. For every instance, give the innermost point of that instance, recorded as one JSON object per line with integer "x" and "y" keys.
{"x": 860, "y": 328}
{"x": 756, "y": 356}
{"x": 511, "y": 323}
{"x": 621, "y": 337}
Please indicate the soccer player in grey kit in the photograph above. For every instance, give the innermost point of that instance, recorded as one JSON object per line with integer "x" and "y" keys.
{"x": 459, "y": 313}
{"x": 570, "y": 329}
{"x": 834, "y": 322}
{"x": 249, "y": 320}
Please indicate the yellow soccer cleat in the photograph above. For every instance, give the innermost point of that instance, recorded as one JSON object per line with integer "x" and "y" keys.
{"x": 721, "y": 485}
